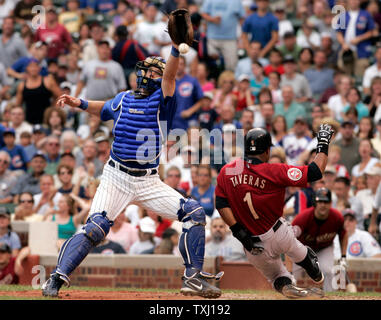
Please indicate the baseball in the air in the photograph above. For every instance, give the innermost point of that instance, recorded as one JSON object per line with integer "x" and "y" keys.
{"x": 351, "y": 287}
{"x": 183, "y": 48}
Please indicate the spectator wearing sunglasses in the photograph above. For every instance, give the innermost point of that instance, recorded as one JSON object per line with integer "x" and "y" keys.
{"x": 25, "y": 210}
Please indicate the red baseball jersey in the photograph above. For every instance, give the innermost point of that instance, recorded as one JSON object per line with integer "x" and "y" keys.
{"x": 256, "y": 192}
{"x": 319, "y": 234}
{"x": 8, "y": 275}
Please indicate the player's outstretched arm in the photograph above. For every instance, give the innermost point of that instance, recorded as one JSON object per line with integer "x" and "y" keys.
{"x": 92, "y": 107}
{"x": 168, "y": 83}
{"x": 324, "y": 138}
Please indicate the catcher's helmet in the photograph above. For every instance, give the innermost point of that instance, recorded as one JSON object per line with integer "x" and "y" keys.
{"x": 141, "y": 69}
{"x": 257, "y": 141}
{"x": 323, "y": 195}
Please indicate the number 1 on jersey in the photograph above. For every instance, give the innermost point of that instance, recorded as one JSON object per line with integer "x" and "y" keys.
{"x": 250, "y": 204}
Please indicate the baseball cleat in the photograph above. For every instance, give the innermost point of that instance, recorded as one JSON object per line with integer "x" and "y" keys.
{"x": 197, "y": 285}
{"x": 293, "y": 292}
{"x": 52, "y": 286}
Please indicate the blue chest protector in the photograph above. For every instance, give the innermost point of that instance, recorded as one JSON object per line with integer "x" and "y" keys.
{"x": 137, "y": 131}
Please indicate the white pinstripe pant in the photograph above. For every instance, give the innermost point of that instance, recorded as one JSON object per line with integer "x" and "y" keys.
{"x": 118, "y": 189}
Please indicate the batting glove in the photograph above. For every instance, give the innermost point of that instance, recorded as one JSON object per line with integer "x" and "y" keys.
{"x": 245, "y": 237}
{"x": 324, "y": 138}
{"x": 343, "y": 263}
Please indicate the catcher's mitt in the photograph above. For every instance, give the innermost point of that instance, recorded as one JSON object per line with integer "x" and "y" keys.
{"x": 180, "y": 27}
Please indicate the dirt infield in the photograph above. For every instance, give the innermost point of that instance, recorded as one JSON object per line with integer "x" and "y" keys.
{"x": 72, "y": 294}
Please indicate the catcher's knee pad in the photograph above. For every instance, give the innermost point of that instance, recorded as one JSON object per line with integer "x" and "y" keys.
{"x": 97, "y": 227}
{"x": 310, "y": 263}
{"x": 191, "y": 210}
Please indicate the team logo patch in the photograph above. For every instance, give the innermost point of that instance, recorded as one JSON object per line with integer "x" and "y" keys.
{"x": 355, "y": 248}
{"x": 185, "y": 89}
{"x": 294, "y": 174}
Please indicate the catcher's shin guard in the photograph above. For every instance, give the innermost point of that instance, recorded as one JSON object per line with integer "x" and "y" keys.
{"x": 311, "y": 265}
{"x": 75, "y": 249}
{"x": 192, "y": 240}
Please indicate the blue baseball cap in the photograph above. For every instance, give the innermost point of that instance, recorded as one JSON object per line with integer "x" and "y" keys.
{"x": 9, "y": 130}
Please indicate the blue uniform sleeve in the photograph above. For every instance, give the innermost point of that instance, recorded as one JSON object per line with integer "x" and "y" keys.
{"x": 111, "y": 107}
{"x": 168, "y": 109}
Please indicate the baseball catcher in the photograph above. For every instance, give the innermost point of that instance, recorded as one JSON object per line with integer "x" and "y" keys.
{"x": 131, "y": 173}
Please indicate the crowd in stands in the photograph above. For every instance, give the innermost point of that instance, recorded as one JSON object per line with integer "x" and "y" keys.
{"x": 286, "y": 66}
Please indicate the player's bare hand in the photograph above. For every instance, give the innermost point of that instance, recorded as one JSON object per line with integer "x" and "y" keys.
{"x": 65, "y": 99}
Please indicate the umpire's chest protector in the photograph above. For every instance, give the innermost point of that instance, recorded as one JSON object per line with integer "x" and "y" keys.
{"x": 137, "y": 132}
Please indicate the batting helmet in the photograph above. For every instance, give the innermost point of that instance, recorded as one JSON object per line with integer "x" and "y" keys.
{"x": 257, "y": 141}
{"x": 323, "y": 195}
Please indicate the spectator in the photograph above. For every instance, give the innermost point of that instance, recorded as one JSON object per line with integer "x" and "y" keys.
{"x": 274, "y": 86}
{"x": 23, "y": 11}
{"x": 319, "y": 12}
{"x": 54, "y": 121}
{"x": 207, "y": 115}
{"x": 65, "y": 176}
{"x": 278, "y": 129}
{"x": 367, "y": 161}
{"x": 334, "y": 157}
{"x": 305, "y": 59}
{"x": 307, "y": 37}
{"x": 298, "y": 81}
{"x": 103, "y": 78}
{"x": 150, "y": 32}
{"x": 366, "y": 129}
{"x": 319, "y": 77}
{"x": 361, "y": 243}
{"x": 38, "y": 134}
{"x": 7, "y": 178}
{"x": 355, "y": 35}
{"x": 89, "y": 51}
{"x": 71, "y": 18}
{"x": 6, "y": 8}
{"x": 371, "y": 72}
{"x": 289, "y": 46}
{"x": 12, "y": 47}
{"x": 276, "y": 62}
{"x": 169, "y": 243}
{"x": 284, "y": 24}
{"x": 105, "y": 7}
{"x": 253, "y": 54}
{"x": 45, "y": 202}
{"x": 67, "y": 217}
{"x": 337, "y": 102}
{"x": 18, "y": 122}
{"x": 296, "y": 142}
{"x": 259, "y": 79}
{"x": 188, "y": 93}
{"x": 223, "y": 244}
{"x": 263, "y": 118}
{"x": 123, "y": 233}
{"x": 10, "y": 266}
{"x": 54, "y": 34}
{"x": 373, "y": 100}
{"x": 329, "y": 92}
{"x": 4, "y": 84}
{"x": 24, "y": 211}
{"x": 29, "y": 182}
{"x": 173, "y": 179}
{"x": 203, "y": 77}
{"x": 243, "y": 93}
{"x": 223, "y": 95}
{"x": 262, "y": 27}
{"x": 344, "y": 200}
{"x": 8, "y": 236}
{"x": 36, "y": 92}
{"x": 127, "y": 52}
{"x": 222, "y": 19}
{"x": 103, "y": 146}
{"x": 38, "y": 51}
{"x": 289, "y": 108}
{"x": 376, "y": 141}
{"x": 146, "y": 243}
{"x": 91, "y": 128}
{"x": 349, "y": 145}
{"x": 247, "y": 120}
{"x": 88, "y": 158}
{"x": 19, "y": 159}
{"x": 204, "y": 191}
{"x": 108, "y": 247}
{"x": 354, "y": 102}
{"x": 52, "y": 148}
{"x": 368, "y": 194}
{"x": 227, "y": 117}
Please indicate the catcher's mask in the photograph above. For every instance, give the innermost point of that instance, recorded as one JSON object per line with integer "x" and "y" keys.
{"x": 144, "y": 80}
